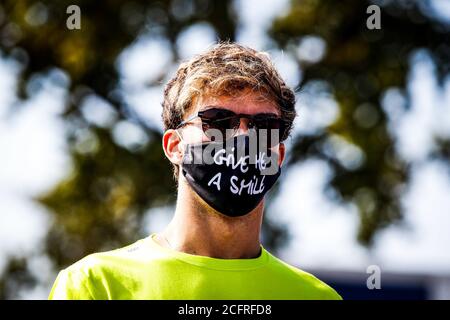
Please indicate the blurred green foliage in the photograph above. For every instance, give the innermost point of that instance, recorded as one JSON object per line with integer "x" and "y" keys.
{"x": 360, "y": 65}
{"x": 101, "y": 203}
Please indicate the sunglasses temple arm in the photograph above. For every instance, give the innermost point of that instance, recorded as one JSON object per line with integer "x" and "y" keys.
{"x": 184, "y": 122}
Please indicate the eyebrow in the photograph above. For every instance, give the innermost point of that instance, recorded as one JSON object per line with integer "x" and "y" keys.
{"x": 225, "y": 108}
{"x": 213, "y": 107}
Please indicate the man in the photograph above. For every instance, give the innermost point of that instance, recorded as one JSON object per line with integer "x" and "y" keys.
{"x": 219, "y": 107}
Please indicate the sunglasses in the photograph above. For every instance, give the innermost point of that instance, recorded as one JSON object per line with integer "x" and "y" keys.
{"x": 228, "y": 122}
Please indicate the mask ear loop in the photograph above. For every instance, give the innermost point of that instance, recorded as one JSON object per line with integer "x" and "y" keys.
{"x": 183, "y": 148}
{"x": 179, "y": 135}
{"x": 181, "y": 138}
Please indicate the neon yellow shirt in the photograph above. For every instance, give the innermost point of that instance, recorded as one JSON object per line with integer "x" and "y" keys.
{"x": 147, "y": 270}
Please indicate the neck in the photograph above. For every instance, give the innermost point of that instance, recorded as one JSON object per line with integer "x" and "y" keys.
{"x": 198, "y": 229}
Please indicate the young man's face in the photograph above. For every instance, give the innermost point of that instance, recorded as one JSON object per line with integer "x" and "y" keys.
{"x": 248, "y": 102}
{"x": 246, "y": 184}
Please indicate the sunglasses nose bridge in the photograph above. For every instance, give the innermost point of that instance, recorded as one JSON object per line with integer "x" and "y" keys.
{"x": 244, "y": 124}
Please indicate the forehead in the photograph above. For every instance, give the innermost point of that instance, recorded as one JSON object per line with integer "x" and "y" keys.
{"x": 247, "y": 102}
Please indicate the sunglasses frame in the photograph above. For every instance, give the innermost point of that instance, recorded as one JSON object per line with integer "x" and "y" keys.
{"x": 234, "y": 115}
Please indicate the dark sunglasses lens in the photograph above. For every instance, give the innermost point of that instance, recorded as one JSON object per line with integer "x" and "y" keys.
{"x": 270, "y": 124}
{"x": 219, "y": 124}
{"x": 216, "y": 114}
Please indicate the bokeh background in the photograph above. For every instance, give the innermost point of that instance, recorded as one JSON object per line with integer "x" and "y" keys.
{"x": 367, "y": 180}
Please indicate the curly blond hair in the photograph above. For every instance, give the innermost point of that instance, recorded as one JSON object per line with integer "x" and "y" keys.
{"x": 226, "y": 69}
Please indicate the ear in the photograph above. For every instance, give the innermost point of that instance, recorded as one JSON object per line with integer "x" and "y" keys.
{"x": 281, "y": 153}
{"x": 171, "y": 146}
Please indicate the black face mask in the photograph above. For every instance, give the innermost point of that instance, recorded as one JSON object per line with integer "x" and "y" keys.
{"x": 223, "y": 175}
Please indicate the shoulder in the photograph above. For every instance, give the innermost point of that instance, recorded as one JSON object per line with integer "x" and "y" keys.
{"x": 100, "y": 261}
{"x": 305, "y": 281}
{"x": 86, "y": 278}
